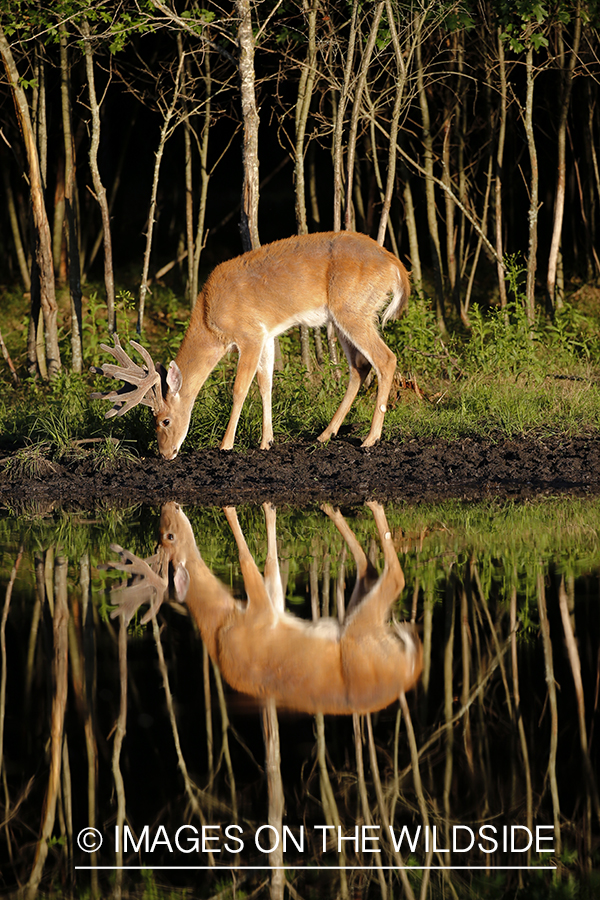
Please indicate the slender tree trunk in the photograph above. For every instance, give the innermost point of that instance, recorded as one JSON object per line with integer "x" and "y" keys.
{"x": 533, "y": 190}
{"x": 413, "y": 237}
{"x": 436, "y": 256}
{"x": 270, "y": 730}
{"x": 305, "y": 90}
{"x": 498, "y": 176}
{"x": 449, "y": 203}
{"x": 204, "y": 175}
{"x": 461, "y": 123}
{"x": 250, "y": 187}
{"x": 358, "y": 93}
{"x": 71, "y": 223}
{"x": 338, "y": 125}
{"x": 399, "y": 100}
{"x": 59, "y": 257}
{"x": 43, "y": 237}
{"x": 99, "y": 189}
{"x": 551, "y": 683}
{"x": 189, "y": 195}
{"x": 554, "y": 299}
{"x": 59, "y": 704}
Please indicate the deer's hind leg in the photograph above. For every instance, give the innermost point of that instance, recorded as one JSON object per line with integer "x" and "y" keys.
{"x": 383, "y": 361}
{"x": 359, "y": 367}
{"x": 381, "y": 593}
{"x": 366, "y": 573}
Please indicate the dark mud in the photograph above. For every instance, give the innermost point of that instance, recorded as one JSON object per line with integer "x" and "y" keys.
{"x": 306, "y": 473}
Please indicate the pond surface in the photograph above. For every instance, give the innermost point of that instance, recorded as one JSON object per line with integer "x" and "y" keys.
{"x": 228, "y": 748}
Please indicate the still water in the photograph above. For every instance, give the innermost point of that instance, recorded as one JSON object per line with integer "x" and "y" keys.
{"x": 396, "y": 701}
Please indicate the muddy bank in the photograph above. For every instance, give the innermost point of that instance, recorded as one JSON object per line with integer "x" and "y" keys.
{"x": 305, "y": 473}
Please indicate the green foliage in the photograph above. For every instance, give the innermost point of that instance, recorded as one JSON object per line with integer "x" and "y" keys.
{"x": 415, "y": 339}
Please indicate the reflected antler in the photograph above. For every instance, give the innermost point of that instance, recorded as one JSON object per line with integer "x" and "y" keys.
{"x": 150, "y": 583}
{"x": 141, "y": 380}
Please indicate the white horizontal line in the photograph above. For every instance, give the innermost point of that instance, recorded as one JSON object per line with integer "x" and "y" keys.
{"x": 317, "y": 868}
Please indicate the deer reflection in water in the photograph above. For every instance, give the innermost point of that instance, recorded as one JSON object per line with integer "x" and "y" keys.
{"x": 359, "y": 665}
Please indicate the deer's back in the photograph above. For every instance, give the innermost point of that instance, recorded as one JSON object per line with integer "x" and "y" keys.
{"x": 303, "y": 279}
{"x": 313, "y": 667}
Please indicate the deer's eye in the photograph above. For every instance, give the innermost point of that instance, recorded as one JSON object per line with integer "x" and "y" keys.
{"x": 165, "y": 423}
{"x": 170, "y": 536}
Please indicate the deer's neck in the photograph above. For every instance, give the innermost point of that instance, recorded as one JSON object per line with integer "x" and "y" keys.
{"x": 209, "y": 602}
{"x": 199, "y": 353}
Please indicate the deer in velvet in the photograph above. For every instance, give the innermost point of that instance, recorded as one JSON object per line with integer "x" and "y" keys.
{"x": 359, "y": 665}
{"x": 341, "y": 278}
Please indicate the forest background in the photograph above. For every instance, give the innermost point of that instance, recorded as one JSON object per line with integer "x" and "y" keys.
{"x": 142, "y": 143}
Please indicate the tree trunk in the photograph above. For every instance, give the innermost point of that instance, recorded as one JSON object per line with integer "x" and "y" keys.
{"x": 339, "y": 110}
{"x": 71, "y": 223}
{"x": 413, "y": 237}
{"x": 204, "y": 174}
{"x": 305, "y": 90}
{"x": 189, "y": 193}
{"x": 360, "y": 86}
{"x": 100, "y": 191}
{"x": 436, "y": 256}
{"x": 394, "y": 125}
{"x": 554, "y": 299}
{"x": 59, "y": 257}
{"x": 43, "y": 237}
{"x": 250, "y": 186}
{"x": 498, "y": 176}
{"x": 533, "y": 190}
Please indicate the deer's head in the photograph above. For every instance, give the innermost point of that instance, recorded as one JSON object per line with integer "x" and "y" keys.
{"x": 150, "y": 385}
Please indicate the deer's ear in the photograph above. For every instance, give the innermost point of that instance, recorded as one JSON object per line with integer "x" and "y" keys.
{"x": 181, "y": 581}
{"x": 174, "y": 377}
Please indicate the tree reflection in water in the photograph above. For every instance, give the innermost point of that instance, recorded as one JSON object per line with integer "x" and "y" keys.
{"x": 499, "y": 732}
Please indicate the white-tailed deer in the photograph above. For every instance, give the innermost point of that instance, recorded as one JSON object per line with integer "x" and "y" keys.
{"x": 360, "y": 665}
{"x": 338, "y": 277}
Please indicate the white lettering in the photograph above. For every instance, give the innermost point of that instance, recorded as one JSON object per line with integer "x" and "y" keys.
{"x": 348, "y": 838}
{"x": 513, "y": 833}
{"x": 210, "y": 837}
{"x": 234, "y": 838}
{"x": 269, "y": 849}
{"x": 287, "y": 832}
{"x": 540, "y": 837}
{"x": 161, "y": 840}
{"x": 136, "y": 847}
{"x": 412, "y": 844}
{"x": 324, "y": 829}
{"x": 455, "y": 829}
{"x": 486, "y": 838}
{"x": 193, "y": 841}
{"x": 369, "y": 837}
